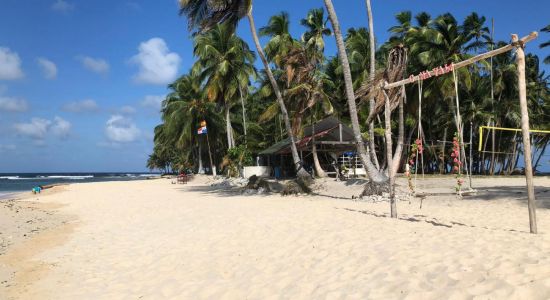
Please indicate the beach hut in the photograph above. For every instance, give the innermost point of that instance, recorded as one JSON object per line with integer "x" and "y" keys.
{"x": 335, "y": 147}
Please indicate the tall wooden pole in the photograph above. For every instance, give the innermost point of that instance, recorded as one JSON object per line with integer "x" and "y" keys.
{"x": 212, "y": 166}
{"x": 520, "y": 60}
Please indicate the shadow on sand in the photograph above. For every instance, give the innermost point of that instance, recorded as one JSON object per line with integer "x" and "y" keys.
{"x": 423, "y": 218}
{"x": 518, "y": 193}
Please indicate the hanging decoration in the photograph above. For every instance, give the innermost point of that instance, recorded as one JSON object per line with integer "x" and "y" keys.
{"x": 457, "y": 164}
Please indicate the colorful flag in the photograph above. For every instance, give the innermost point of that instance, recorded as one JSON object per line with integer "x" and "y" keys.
{"x": 202, "y": 130}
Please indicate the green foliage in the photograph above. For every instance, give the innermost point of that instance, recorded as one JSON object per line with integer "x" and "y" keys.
{"x": 236, "y": 158}
{"x": 312, "y": 86}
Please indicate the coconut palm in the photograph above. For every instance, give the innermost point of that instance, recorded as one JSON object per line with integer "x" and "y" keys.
{"x": 317, "y": 29}
{"x": 280, "y": 43}
{"x": 204, "y": 14}
{"x": 182, "y": 111}
{"x": 374, "y": 174}
{"x": 225, "y": 64}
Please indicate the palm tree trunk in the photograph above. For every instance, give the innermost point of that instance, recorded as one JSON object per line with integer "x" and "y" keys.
{"x": 400, "y": 137}
{"x": 201, "y": 168}
{"x": 372, "y": 145}
{"x": 244, "y": 112}
{"x": 295, "y": 157}
{"x": 393, "y": 206}
{"x": 374, "y": 174}
{"x": 212, "y": 166}
{"x": 228, "y": 128}
{"x": 319, "y": 172}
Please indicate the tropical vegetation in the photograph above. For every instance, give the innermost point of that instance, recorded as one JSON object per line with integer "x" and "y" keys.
{"x": 247, "y": 109}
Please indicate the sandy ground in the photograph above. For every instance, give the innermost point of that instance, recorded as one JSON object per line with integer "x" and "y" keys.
{"x": 156, "y": 240}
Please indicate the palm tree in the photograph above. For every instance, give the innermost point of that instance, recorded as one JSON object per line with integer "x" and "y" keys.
{"x": 315, "y": 23}
{"x": 372, "y": 63}
{"x": 204, "y": 14}
{"x": 280, "y": 41}
{"x": 375, "y": 175}
{"x": 182, "y": 111}
{"x": 225, "y": 64}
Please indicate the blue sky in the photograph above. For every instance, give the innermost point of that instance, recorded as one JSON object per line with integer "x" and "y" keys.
{"x": 81, "y": 81}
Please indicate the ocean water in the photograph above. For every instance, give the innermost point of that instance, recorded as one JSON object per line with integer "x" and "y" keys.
{"x": 11, "y": 183}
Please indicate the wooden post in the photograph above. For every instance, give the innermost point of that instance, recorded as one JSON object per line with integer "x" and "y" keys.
{"x": 520, "y": 60}
{"x": 212, "y": 166}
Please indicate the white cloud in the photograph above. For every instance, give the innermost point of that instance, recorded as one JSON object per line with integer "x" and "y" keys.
{"x": 152, "y": 102}
{"x": 82, "y": 106}
{"x": 49, "y": 69}
{"x": 36, "y": 129}
{"x": 96, "y": 65}
{"x": 10, "y": 65}
{"x": 39, "y": 129}
{"x": 11, "y": 104}
{"x": 120, "y": 129}
{"x": 157, "y": 65}
{"x": 61, "y": 128}
{"x": 62, "y": 6}
{"x": 127, "y": 110}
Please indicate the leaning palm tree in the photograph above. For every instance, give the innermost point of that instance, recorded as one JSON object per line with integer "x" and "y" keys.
{"x": 225, "y": 64}
{"x": 372, "y": 62}
{"x": 205, "y": 14}
{"x": 375, "y": 175}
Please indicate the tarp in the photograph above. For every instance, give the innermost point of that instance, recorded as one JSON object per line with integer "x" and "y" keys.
{"x": 327, "y": 129}
{"x": 276, "y": 147}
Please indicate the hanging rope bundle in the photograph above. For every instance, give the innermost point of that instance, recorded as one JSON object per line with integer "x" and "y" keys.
{"x": 460, "y": 157}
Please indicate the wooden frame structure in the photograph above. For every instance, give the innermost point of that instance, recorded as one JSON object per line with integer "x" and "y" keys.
{"x": 517, "y": 44}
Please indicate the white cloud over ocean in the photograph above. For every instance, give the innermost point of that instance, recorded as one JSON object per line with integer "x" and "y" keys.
{"x": 10, "y": 65}
{"x": 157, "y": 65}
{"x": 121, "y": 129}
{"x": 39, "y": 129}
{"x": 49, "y": 69}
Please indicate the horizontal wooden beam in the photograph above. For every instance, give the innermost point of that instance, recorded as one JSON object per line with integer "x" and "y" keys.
{"x": 533, "y": 35}
{"x": 334, "y": 143}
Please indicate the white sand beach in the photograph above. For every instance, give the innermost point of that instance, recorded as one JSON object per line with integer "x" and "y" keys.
{"x": 155, "y": 240}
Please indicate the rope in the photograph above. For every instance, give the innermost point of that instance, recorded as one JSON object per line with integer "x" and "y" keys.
{"x": 419, "y": 128}
{"x": 459, "y": 128}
